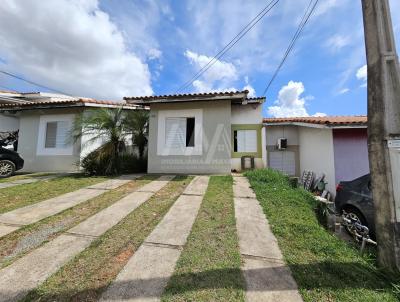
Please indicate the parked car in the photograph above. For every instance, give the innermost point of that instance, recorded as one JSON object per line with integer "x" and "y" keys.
{"x": 355, "y": 199}
{"x": 10, "y": 161}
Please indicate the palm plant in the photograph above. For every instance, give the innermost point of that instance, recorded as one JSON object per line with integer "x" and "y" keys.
{"x": 136, "y": 123}
{"x": 106, "y": 125}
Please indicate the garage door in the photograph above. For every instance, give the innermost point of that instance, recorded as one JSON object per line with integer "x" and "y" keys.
{"x": 283, "y": 161}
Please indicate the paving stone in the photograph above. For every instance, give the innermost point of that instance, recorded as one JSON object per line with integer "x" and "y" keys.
{"x": 17, "y": 279}
{"x": 104, "y": 220}
{"x": 156, "y": 185}
{"x": 241, "y": 188}
{"x": 198, "y": 186}
{"x": 7, "y": 229}
{"x": 145, "y": 276}
{"x": 177, "y": 223}
{"x": 268, "y": 279}
{"x": 255, "y": 236}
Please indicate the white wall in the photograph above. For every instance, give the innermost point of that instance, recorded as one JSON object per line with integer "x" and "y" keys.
{"x": 8, "y": 123}
{"x": 246, "y": 114}
{"x": 316, "y": 153}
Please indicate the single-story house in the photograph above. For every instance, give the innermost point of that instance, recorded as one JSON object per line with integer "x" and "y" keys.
{"x": 333, "y": 145}
{"x": 44, "y": 127}
{"x": 204, "y": 133}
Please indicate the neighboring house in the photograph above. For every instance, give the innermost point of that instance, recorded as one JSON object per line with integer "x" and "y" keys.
{"x": 10, "y": 121}
{"x": 333, "y": 145}
{"x": 204, "y": 133}
{"x": 44, "y": 132}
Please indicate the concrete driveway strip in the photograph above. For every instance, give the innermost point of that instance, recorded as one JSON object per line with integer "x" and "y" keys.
{"x": 146, "y": 274}
{"x": 15, "y": 219}
{"x": 268, "y": 279}
{"x": 26, "y": 181}
{"x": 25, "y": 274}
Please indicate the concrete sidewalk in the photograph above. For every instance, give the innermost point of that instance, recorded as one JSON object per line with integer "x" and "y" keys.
{"x": 13, "y": 220}
{"x": 146, "y": 274}
{"x": 25, "y": 274}
{"x": 267, "y": 276}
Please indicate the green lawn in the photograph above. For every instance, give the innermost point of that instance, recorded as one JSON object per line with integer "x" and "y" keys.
{"x": 87, "y": 275}
{"x": 20, "y": 242}
{"x": 23, "y": 195}
{"x": 325, "y": 267}
{"x": 209, "y": 266}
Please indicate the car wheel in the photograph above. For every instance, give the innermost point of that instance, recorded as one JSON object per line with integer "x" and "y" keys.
{"x": 354, "y": 215}
{"x": 7, "y": 168}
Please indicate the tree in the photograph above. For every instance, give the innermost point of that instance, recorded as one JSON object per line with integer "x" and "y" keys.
{"x": 106, "y": 125}
{"x": 136, "y": 122}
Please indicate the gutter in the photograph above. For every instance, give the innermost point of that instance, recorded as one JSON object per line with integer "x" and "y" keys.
{"x": 319, "y": 126}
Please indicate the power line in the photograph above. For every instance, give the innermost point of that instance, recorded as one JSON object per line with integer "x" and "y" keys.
{"x": 32, "y": 83}
{"x": 232, "y": 43}
{"x": 302, "y": 24}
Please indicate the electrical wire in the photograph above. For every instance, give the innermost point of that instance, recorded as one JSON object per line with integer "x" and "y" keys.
{"x": 31, "y": 82}
{"x": 300, "y": 28}
{"x": 232, "y": 43}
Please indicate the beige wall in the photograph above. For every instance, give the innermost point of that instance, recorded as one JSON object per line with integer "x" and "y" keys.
{"x": 316, "y": 153}
{"x": 27, "y": 145}
{"x": 216, "y": 141}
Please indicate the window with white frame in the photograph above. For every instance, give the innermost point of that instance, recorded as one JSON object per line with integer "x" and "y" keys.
{"x": 179, "y": 132}
{"x": 245, "y": 141}
{"x": 54, "y": 135}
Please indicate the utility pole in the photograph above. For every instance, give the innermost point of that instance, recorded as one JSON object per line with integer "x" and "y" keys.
{"x": 383, "y": 128}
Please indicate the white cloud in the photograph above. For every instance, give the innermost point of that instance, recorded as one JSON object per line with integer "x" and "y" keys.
{"x": 219, "y": 77}
{"x": 71, "y": 46}
{"x": 154, "y": 54}
{"x": 337, "y": 42}
{"x": 362, "y": 73}
{"x": 320, "y": 114}
{"x": 290, "y": 103}
{"x": 344, "y": 90}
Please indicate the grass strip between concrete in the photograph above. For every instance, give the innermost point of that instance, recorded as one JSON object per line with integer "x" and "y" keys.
{"x": 324, "y": 267}
{"x": 22, "y": 241}
{"x": 209, "y": 266}
{"x": 86, "y": 276}
{"x": 27, "y": 194}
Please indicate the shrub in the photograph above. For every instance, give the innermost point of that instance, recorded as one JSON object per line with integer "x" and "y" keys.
{"x": 95, "y": 163}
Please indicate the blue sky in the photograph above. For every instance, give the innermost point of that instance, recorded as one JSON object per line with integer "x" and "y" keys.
{"x": 109, "y": 49}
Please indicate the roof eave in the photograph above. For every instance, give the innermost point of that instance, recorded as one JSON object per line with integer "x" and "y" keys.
{"x": 318, "y": 125}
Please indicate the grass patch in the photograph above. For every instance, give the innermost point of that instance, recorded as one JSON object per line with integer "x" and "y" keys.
{"x": 209, "y": 266}
{"x": 324, "y": 267}
{"x": 20, "y": 242}
{"x": 87, "y": 275}
{"x": 23, "y": 195}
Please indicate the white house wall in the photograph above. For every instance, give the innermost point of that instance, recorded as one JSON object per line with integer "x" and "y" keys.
{"x": 8, "y": 122}
{"x": 28, "y": 140}
{"x": 317, "y": 154}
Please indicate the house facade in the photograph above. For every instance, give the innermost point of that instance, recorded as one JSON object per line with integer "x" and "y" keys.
{"x": 334, "y": 146}
{"x": 44, "y": 132}
{"x": 206, "y": 133}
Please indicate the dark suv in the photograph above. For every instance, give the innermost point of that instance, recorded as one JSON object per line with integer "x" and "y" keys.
{"x": 10, "y": 161}
{"x": 355, "y": 198}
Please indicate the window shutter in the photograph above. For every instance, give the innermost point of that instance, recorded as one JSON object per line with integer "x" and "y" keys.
{"x": 175, "y": 132}
{"x": 51, "y": 135}
{"x": 62, "y": 134}
{"x": 246, "y": 140}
